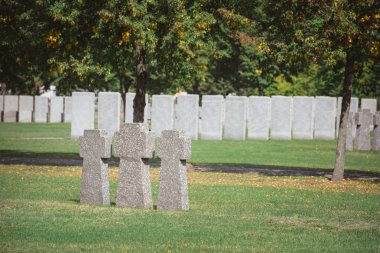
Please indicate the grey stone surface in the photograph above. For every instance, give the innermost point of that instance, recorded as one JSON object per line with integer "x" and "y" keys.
{"x": 134, "y": 144}
{"x": 41, "y": 109}
{"x": 363, "y": 121}
{"x": 281, "y": 118}
{"x": 128, "y": 114}
{"x": 162, "y": 113}
{"x": 56, "y": 109}
{"x": 186, "y": 116}
{"x": 82, "y": 112}
{"x": 376, "y": 131}
{"x": 25, "y": 112}
{"x": 1, "y": 107}
{"x": 10, "y": 108}
{"x": 235, "y": 118}
{"x": 350, "y": 135}
{"x": 109, "y": 111}
{"x": 212, "y": 117}
{"x": 354, "y": 107}
{"x": 95, "y": 145}
{"x": 324, "y": 118}
{"x": 369, "y": 103}
{"x": 258, "y": 117}
{"x": 67, "y": 110}
{"x": 173, "y": 148}
{"x": 303, "y": 118}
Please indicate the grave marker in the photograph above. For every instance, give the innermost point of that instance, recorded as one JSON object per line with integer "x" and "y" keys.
{"x": 376, "y": 131}
{"x": 82, "y": 112}
{"x": 25, "y": 112}
{"x": 369, "y": 103}
{"x": 350, "y": 135}
{"x": 67, "y": 110}
{"x": 303, "y": 118}
{"x": 258, "y": 116}
{"x": 10, "y": 108}
{"x": 212, "y": 117}
{"x": 41, "y": 108}
{"x": 162, "y": 113}
{"x": 56, "y": 109}
{"x": 325, "y": 115}
{"x": 354, "y": 107}
{"x": 109, "y": 111}
{"x": 186, "y": 117}
{"x": 235, "y": 118}
{"x": 128, "y": 114}
{"x": 281, "y": 118}
{"x": 363, "y": 122}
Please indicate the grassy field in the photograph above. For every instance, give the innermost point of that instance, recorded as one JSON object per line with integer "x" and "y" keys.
{"x": 53, "y": 141}
{"x": 40, "y": 212}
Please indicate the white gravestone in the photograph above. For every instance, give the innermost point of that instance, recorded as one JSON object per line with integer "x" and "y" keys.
{"x": 354, "y": 107}
{"x": 10, "y": 108}
{"x": 41, "y": 108}
{"x": 325, "y": 115}
{"x": 109, "y": 111}
{"x": 67, "y": 110}
{"x": 235, "y": 118}
{"x": 369, "y": 103}
{"x": 303, "y": 118}
{"x": 258, "y": 117}
{"x": 82, "y": 113}
{"x": 56, "y": 109}
{"x": 1, "y": 107}
{"x": 186, "y": 116}
{"x": 162, "y": 113}
{"x": 212, "y": 117}
{"x": 25, "y": 112}
{"x": 128, "y": 114}
{"x": 281, "y": 118}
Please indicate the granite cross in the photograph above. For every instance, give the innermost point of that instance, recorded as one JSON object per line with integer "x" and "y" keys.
{"x": 363, "y": 121}
{"x": 95, "y": 145}
{"x": 134, "y": 144}
{"x": 174, "y": 148}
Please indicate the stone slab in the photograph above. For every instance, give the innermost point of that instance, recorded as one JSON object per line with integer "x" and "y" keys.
{"x": 162, "y": 113}
{"x": 376, "y": 131}
{"x": 363, "y": 122}
{"x": 1, "y": 107}
{"x": 56, "y": 109}
{"x": 354, "y": 107}
{"x": 67, "y": 110}
{"x": 128, "y": 114}
{"x": 324, "y": 118}
{"x": 369, "y": 103}
{"x": 134, "y": 144}
{"x": 10, "y": 108}
{"x": 94, "y": 146}
{"x": 258, "y": 115}
{"x": 235, "y": 118}
{"x": 281, "y": 118}
{"x": 303, "y": 118}
{"x": 186, "y": 109}
{"x": 212, "y": 117}
{"x": 350, "y": 135}
{"x": 109, "y": 111}
{"x": 82, "y": 113}
{"x": 173, "y": 148}
{"x": 41, "y": 109}
{"x": 25, "y": 113}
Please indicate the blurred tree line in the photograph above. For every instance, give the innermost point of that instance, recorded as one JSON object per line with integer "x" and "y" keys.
{"x": 199, "y": 46}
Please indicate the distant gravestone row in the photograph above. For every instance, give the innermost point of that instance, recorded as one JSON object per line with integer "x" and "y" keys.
{"x": 134, "y": 144}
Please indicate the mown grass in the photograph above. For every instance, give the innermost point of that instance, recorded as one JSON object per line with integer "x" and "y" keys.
{"x": 40, "y": 212}
{"x": 53, "y": 141}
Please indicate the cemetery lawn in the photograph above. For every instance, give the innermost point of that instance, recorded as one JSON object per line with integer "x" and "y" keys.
{"x": 53, "y": 141}
{"x": 40, "y": 212}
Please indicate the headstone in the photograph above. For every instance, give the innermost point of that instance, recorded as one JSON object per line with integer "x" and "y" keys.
{"x": 10, "y": 108}
{"x": 82, "y": 112}
{"x": 67, "y": 110}
{"x": 94, "y": 146}
{"x": 354, "y": 107}
{"x": 173, "y": 148}
{"x": 186, "y": 116}
{"x": 281, "y": 118}
{"x": 162, "y": 113}
{"x": 350, "y": 135}
{"x": 258, "y": 117}
{"x": 369, "y": 103}
{"x": 134, "y": 144}
{"x": 128, "y": 114}
{"x": 1, "y": 107}
{"x": 325, "y": 115}
{"x": 235, "y": 118}
{"x": 303, "y": 118}
{"x": 212, "y": 117}
{"x": 363, "y": 121}
{"x": 41, "y": 108}
{"x": 109, "y": 111}
{"x": 56, "y": 109}
{"x": 376, "y": 131}
{"x": 25, "y": 112}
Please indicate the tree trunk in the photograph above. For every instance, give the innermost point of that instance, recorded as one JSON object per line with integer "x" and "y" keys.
{"x": 124, "y": 87}
{"x": 346, "y": 101}
{"x": 141, "y": 84}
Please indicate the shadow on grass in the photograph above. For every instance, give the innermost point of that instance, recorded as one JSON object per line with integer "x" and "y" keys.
{"x": 77, "y": 201}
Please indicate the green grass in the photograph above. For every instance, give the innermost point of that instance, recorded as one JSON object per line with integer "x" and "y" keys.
{"x": 40, "y": 212}
{"x": 53, "y": 141}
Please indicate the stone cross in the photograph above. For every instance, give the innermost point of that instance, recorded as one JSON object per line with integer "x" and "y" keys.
{"x": 174, "y": 148}
{"x": 376, "y": 131}
{"x": 350, "y": 131}
{"x": 134, "y": 144}
{"x": 95, "y": 145}
{"x": 363, "y": 121}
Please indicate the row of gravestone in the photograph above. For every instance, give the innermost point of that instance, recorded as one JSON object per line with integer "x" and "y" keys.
{"x": 231, "y": 118}
{"x": 134, "y": 144}
{"x": 38, "y": 109}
